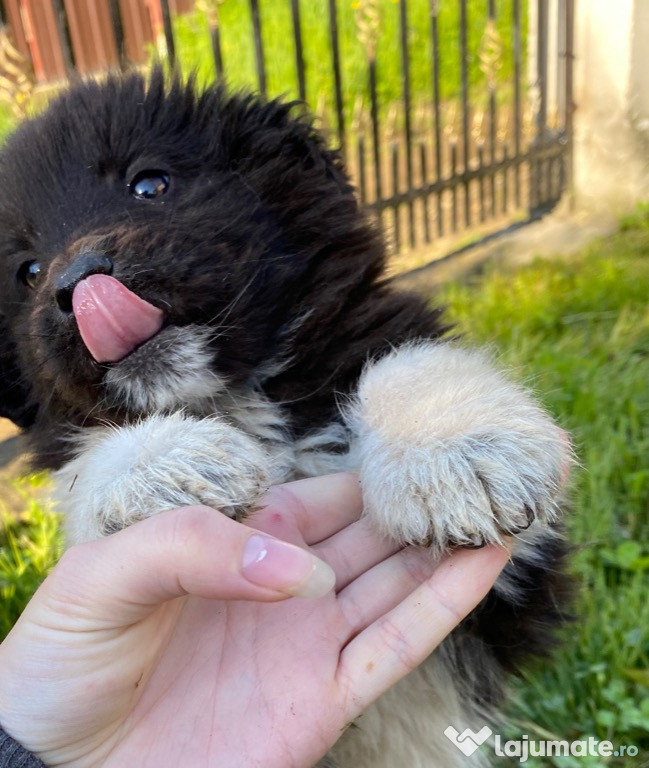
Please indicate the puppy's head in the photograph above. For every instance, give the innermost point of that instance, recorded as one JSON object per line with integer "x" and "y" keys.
{"x": 158, "y": 243}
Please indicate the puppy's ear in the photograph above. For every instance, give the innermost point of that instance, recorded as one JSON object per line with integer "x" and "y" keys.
{"x": 15, "y": 396}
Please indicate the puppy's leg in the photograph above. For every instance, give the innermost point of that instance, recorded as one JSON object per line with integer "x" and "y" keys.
{"x": 125, "y": 474}
{"x": 450, "y": 452}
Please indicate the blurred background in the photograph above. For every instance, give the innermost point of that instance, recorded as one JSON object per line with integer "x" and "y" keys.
{"x": 504, "y": 146}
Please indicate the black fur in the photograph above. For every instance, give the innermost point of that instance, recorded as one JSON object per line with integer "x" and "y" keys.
{"x": 515, "y": 631}
{"x": 261, "y": 212}
{"x": 260, "y": 236}
{"x": 15, "y": 393}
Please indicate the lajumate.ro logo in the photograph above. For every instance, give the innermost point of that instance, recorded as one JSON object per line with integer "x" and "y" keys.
{"x": 469, "y": 741}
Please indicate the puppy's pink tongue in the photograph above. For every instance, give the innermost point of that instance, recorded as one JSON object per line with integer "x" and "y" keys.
{"x": 112, "y": 320}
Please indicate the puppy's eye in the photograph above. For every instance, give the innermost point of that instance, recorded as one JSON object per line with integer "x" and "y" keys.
{"x": 29, "y": 273}
{"x": 149, "y": 184}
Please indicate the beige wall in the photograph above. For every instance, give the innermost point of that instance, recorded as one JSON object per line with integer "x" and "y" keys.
{"x": 612, "y": 101}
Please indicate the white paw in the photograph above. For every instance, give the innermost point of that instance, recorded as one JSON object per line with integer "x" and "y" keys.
{"x": 450, "y": 452}
{"x": 125, "y": 474}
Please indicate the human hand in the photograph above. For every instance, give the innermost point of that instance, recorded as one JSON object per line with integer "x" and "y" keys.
{"x": 155, "y": 647}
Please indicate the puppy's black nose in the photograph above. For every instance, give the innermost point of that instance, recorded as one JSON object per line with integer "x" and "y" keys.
{"x": 86, "y": 263}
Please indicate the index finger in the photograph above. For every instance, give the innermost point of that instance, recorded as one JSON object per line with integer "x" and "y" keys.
{"x": 315, "y": 508}
{"x": 403, "y": 638}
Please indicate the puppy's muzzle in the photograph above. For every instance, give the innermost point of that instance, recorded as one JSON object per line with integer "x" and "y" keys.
{"x": 88, "y": 262}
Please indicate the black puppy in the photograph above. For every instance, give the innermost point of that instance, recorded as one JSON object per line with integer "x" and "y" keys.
{"x": 189, "y": 295}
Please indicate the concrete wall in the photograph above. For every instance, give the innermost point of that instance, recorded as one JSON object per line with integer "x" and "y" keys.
{"x": 612, "y": 103}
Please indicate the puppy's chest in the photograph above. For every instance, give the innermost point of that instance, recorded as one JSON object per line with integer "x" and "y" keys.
{"x": 322, "y": 450}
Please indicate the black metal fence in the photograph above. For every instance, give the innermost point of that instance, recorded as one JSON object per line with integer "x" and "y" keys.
{"x": 431, "y": 161}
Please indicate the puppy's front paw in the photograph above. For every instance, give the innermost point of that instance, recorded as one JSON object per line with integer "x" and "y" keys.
{"x": 126, "y": 474}
{"x": 466, "y": 491}
{"x": 451, "y": 453}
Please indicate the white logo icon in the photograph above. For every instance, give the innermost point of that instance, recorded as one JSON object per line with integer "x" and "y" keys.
{"x": 468, "y": 741}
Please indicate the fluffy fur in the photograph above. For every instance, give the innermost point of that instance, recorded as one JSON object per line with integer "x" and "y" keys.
{"x": 284, "y": 353}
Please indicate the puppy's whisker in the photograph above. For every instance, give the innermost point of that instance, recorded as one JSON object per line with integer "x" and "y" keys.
{"x": 137, "y": 273}
{"x": 221, "y": 318}
{"x": 30, "y": 334}
{"x": 98, "y": 407}
{"x": 221, "y": 332}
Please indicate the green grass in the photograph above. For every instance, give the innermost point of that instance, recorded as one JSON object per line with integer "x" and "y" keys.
{"x": 8, "y": 122}
{"x": 194, "y": 53}
{"x": 30, "y": 545}
{"x": 194, "y": 49}
{"x": 578, "y": 331}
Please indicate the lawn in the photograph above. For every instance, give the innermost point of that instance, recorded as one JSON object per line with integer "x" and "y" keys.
{"x": 30, "y": 544}
{"x": 578, "y": 332}
{"x": 8, "y": 121}
{"x": 237, "y": 43}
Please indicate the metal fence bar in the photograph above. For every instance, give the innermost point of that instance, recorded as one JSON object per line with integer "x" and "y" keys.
{"x": 423, "y": 176}
{"x": 376, "y": 141}
{"x": 407, "y": 106}
{"x": 299, "y": 54}
{"x": 481, "y": 180}
{"x": 168, "y": 31}
{"x": 118, "y": 33}
{"x": 434, "y": 32}
{"x": 569, "y": 90}
{"x": 542, "y": 67}
{"x": 458, "y": 179}
{"x": 259, "y": 47}
{"x": 465, "y": 109}
{"x": 423, "y": 164}
{"x": 362, "y": 182}
{"x": 518, "y": 117}
{"x": 561, "y": 62}
{"x": 452, "y": 186}
{"x": 539, "y": 171}
{"x": 214, "y": 29}
{"x": 492, "y": 116}
{"x": 335, "y": 61}
{"x": 64, "y": 36}
{"x": 397, "y": 197}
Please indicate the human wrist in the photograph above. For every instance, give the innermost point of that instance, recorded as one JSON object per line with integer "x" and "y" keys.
{"x": 15, "y": 755}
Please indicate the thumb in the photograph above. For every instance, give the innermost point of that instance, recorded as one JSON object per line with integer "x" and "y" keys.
{"x": 188, "y": 551}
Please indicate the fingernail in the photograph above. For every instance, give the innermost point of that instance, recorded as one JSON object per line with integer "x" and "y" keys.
{"x": 274, "y": 564}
